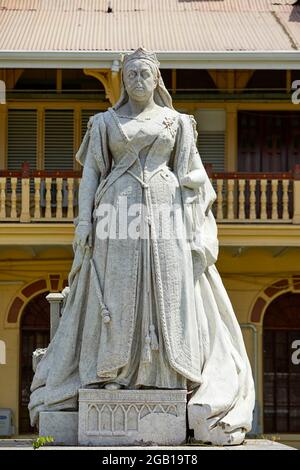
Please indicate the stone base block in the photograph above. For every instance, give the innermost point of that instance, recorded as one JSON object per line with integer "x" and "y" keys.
{"x": 132, "y": 417}
{"x": 61, "y": 425}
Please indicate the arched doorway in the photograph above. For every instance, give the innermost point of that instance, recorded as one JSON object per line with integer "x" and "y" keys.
{"x": 281, "y": 371}
{"x": 35, "y": 333}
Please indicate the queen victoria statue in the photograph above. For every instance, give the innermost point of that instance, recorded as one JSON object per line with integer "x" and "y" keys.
{"x": 146, "y": 308}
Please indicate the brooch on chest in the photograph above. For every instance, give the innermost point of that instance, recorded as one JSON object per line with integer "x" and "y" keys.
{"x": 169, "y": 124}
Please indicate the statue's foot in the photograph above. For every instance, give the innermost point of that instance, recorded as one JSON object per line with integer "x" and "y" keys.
{"x": 112, "y": 386}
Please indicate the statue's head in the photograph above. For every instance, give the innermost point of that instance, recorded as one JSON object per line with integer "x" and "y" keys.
{"x": 140, "y": 74}
{"x": 141, "y": 77}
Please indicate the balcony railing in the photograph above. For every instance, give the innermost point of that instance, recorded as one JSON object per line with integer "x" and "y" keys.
{"x": 243, "y": 198}
{"x": 38, "y": 196}
{"x": 254, "y": 197}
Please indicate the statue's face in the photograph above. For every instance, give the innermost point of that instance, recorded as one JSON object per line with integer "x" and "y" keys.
{"x": 139, "y": 80}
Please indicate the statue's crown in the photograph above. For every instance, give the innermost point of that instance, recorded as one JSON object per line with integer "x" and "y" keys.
{"x": 141, "y": 53}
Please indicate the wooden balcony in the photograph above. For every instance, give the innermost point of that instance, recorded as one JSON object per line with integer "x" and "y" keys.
{"x": 257, "y": 198}
{"x": 252, "y": 209}
{"x": 38, "y": 196}
{"x": 242, "y": 198}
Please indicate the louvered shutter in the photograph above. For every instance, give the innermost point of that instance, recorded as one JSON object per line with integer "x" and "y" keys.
{"x": 211, "y": 146}
{"x": 211, "y": 125}
{"x": 22, "y": 138}
{"x": 59, "y": 139}
{"x": 85, "y": 115}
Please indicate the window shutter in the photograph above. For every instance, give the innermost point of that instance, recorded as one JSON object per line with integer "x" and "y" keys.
{"x": 211, "y": 146}
{"x": 22, "y": 138}
{"x": 85, "y": 115}
{"x": 59, "y": 139}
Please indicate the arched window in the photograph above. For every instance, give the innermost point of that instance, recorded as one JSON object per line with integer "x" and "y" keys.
{"x": 281, "y": 340}
{"x": 35, "y": 333}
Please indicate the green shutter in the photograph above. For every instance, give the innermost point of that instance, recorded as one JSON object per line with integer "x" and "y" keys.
{"x": 211, "y": 146}
{"x": 59, "y": 139}
{"x": 22, "y": 138}
{"x": 85, "y": 115}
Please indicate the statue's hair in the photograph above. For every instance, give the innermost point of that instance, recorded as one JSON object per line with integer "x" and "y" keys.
{"x": 161, "y": 95}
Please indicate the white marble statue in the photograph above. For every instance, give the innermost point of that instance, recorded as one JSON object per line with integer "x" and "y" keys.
{"x": 146, "y": 309}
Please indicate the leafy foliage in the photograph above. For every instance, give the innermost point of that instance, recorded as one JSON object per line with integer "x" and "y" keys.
{"x": 41, "y": 441}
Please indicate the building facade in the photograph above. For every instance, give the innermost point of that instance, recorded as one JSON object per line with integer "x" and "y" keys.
{"x": 236, "y": 69}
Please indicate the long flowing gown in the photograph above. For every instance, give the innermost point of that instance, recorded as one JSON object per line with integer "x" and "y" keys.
{"x": 148, "y": 368}
{"x": 149, "y": 311}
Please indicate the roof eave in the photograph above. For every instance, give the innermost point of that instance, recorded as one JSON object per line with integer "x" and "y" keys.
{"x": 172, "y": 59}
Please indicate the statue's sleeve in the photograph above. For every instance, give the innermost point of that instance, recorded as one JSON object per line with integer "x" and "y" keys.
{"x": 86, "y": 156}
{"x": 95, "y": 144}
{"x": 84, "y": 146}
{"x": 94, "y": 156}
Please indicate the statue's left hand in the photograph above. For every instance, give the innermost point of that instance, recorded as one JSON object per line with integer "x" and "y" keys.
{"x": 83, "y": 235}
{"x": 194, "y": 179}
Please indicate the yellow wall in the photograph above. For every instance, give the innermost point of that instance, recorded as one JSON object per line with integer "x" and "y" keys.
{"x": 15, "y": 274}
{"x": 245, "y": 274}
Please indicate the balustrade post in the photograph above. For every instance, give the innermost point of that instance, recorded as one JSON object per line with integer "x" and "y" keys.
{"x": 252, "y": 215}
{"x": 48, "y": 212}
{"x": 70, "y": 183}
{"x": 2, "y": 198}
{"x": 25, "y": 200}
{"x": 241, "y": 186}
{"x": 59, "y": 197}
{"x": 13, "y": 212}
{"x": 37, "y": 198}
{"x": 230, "y": 199}
{"x": 285, "y": 200}
{"x": 274, "y": 187}
{"x": 219, "y": 199}
{"x": 263, "y": 199}
{"x": 296, "y": 175}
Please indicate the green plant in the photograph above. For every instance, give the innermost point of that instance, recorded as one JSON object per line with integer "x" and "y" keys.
{"x": 41, "y": 441}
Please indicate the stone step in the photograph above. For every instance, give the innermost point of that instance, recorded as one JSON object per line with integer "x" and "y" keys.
{"x": 249, "y": 444}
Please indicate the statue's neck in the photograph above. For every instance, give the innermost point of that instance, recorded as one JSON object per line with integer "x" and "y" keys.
{"x": 137, "y": 107}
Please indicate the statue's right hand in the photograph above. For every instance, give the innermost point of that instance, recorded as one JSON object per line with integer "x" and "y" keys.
{"x": 83, "y": 235}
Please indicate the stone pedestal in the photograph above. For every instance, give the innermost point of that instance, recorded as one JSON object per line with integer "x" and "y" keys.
{"x": 61, "y": 425}
{"x": 131, "y": 417}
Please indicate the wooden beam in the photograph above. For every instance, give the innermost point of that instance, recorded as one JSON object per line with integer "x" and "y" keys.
{"x": 219, "y": 78}
{"x": 3, "y": 136}
{"x": 40, "y": 139}
{"x": 288, "y": 81}
{"x": 174, "y": 81}
{"x": 231, "y": 138}
{"x": 231, "y": 80}
{"x": 109, "y": 79}
{"x": 59, "y": 80}
{"x": 242, "y": 78}
{"x": 10, "y": 77}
